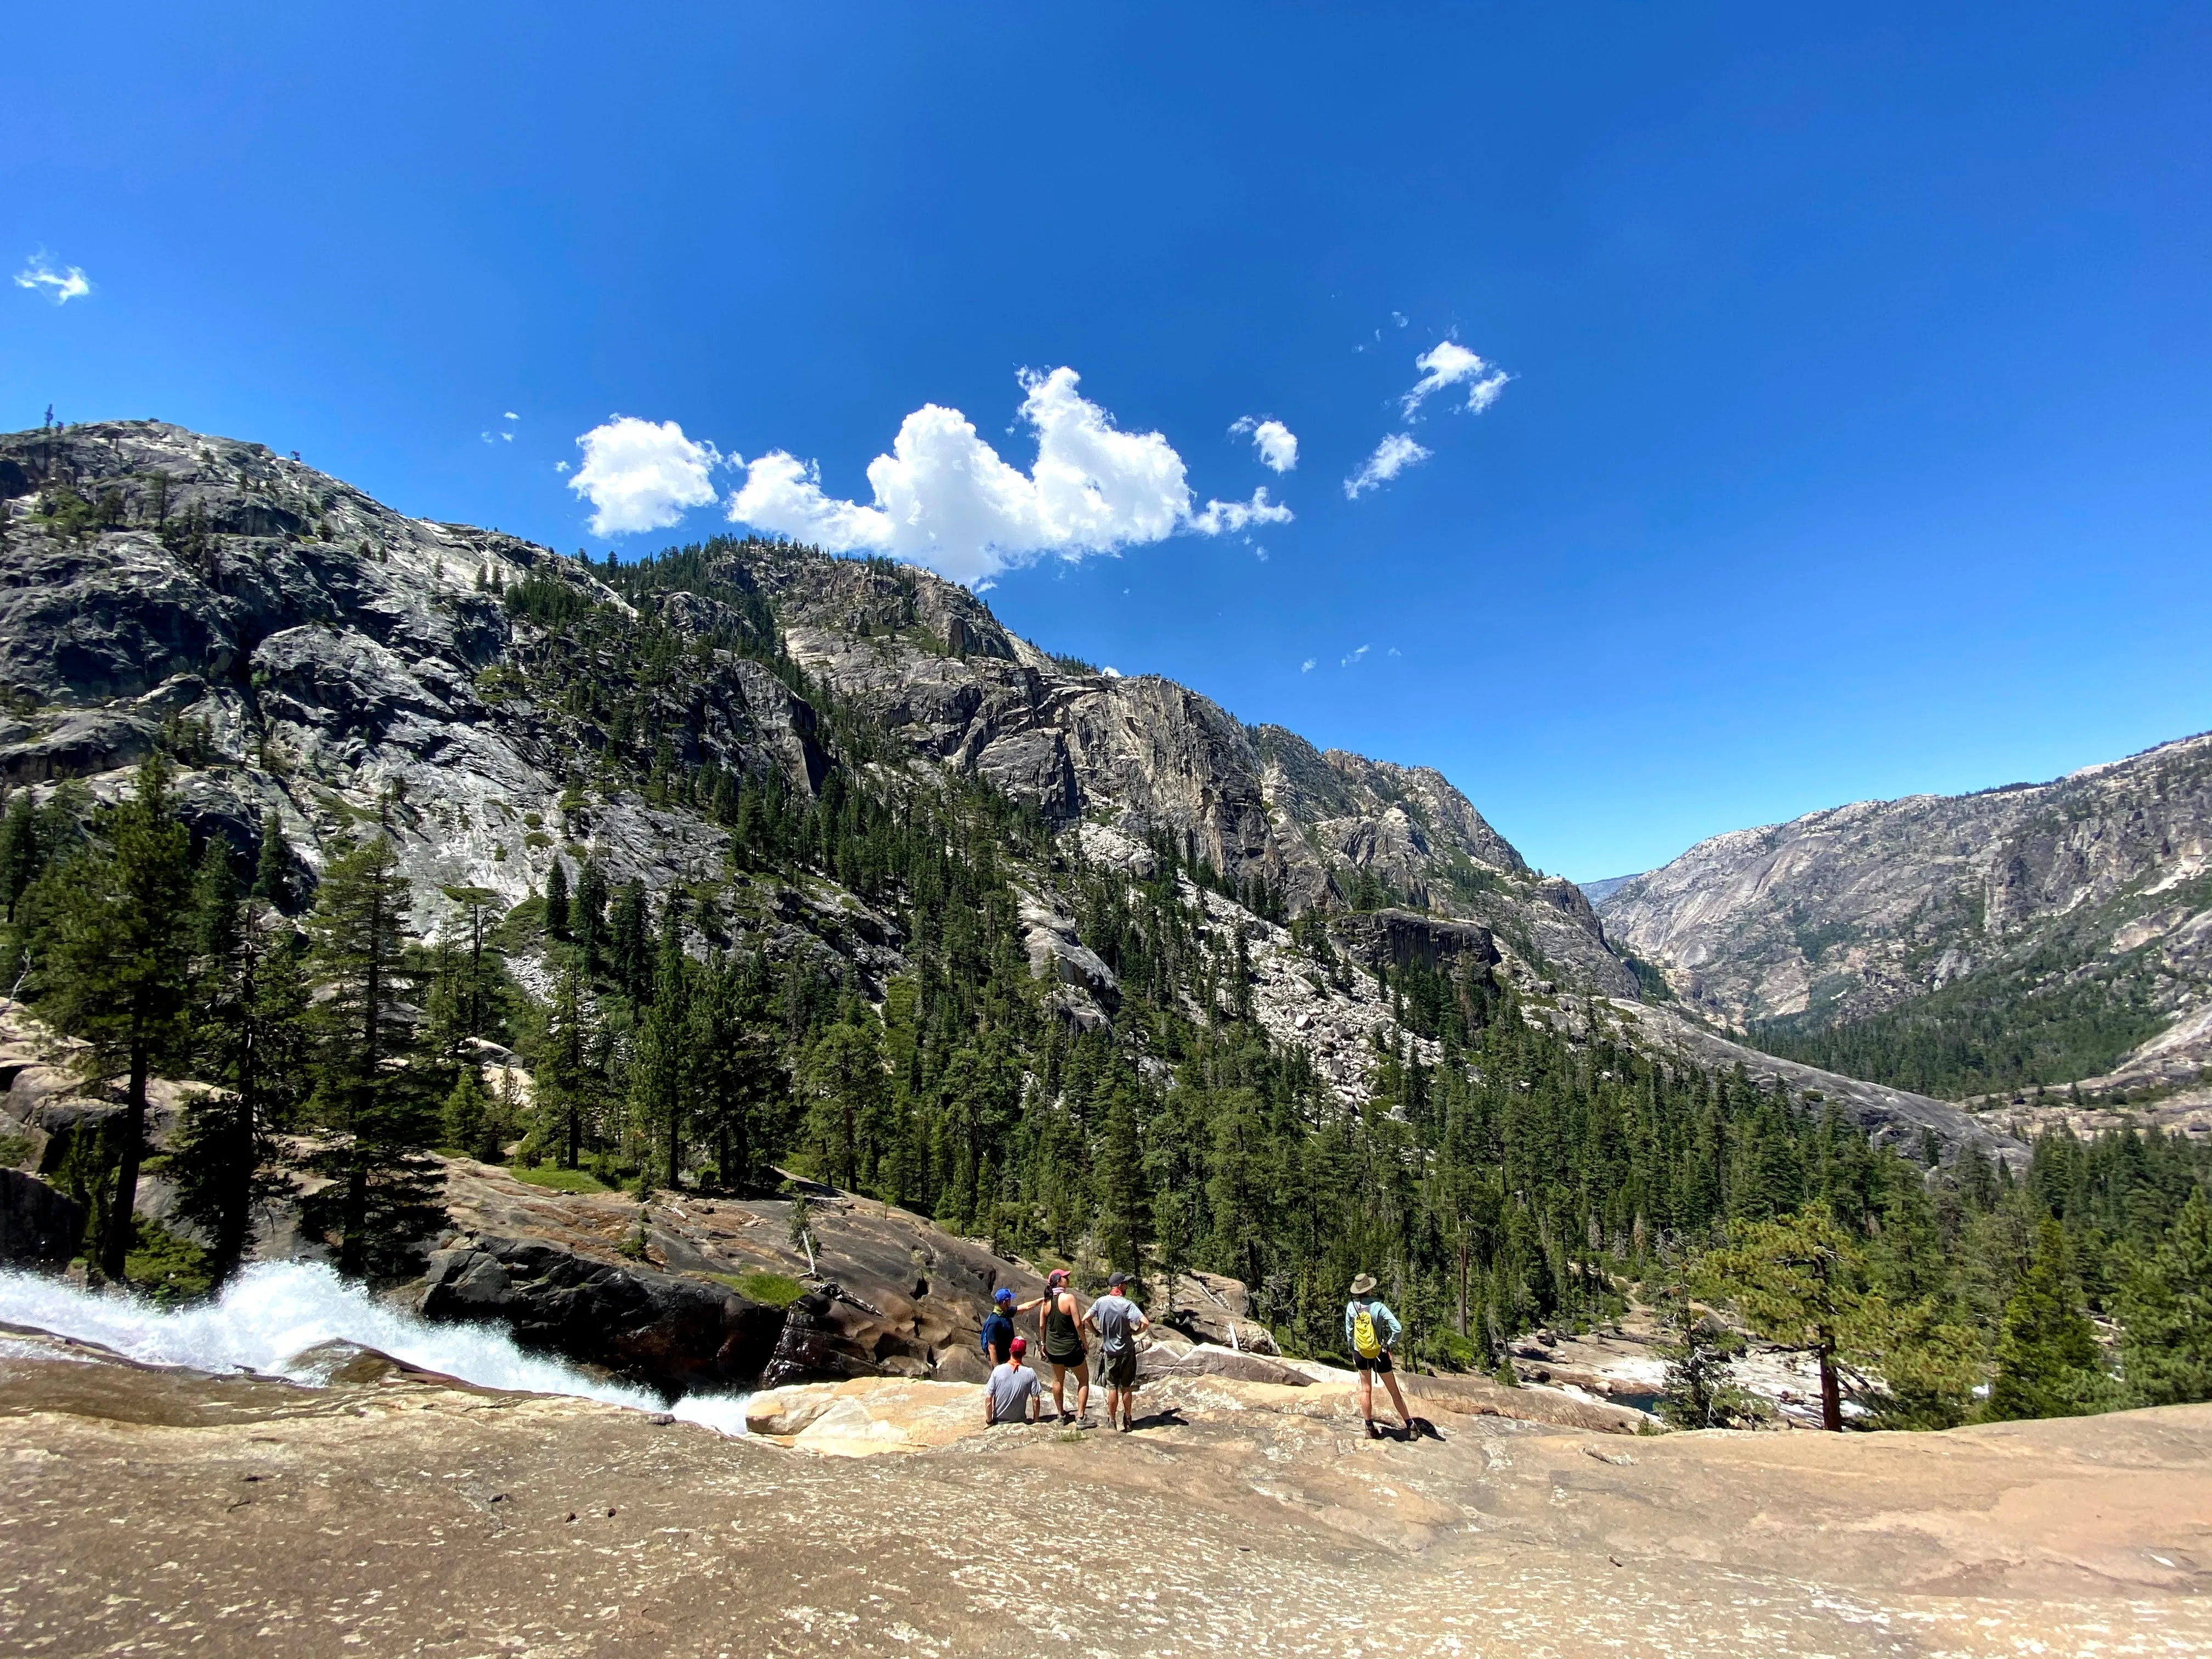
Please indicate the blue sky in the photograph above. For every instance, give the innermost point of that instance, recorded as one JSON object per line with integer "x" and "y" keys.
{"x": 1857, "y": 440}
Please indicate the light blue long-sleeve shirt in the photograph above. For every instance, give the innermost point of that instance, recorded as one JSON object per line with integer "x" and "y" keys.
{"x": 1387, "y": 1327}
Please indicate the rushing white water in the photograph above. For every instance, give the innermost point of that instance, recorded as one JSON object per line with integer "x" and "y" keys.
{"x": 274, "y": 1311}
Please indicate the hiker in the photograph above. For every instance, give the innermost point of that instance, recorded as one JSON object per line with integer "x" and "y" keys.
{"x": 1372, "y": 1329}
{"x": 1013, "y": 1392}
{"x": 998, "y": 1336}
{"x": 1117, "y": 1320}
{"x": 1060, "y": 1331}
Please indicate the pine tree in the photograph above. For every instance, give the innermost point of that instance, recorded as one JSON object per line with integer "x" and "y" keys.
{"x": 630, "y": 942}
{"x": 2048, "y": 1364}
{"x": 1798, "y": 1281}
{"x": 20, "y": 855}
{"x": 660, "y": 1080}
{"x": 588, "y": 917}
{"x": 842, "y": 1083}
{"x": 557, "y": 900}
{"x": 251, "y": 1038}
{"x": 272, "y": 874}
{"x": 2166, "y": 1312}
{"x": 115, "y": 952}
{"x": 464, "y": 1115}
{"x": 559, "y": 1103}
{"x": 367, "y": 1091}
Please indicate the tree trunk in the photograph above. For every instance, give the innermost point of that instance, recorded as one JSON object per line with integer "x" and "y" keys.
{"x": 353, "y": 1249}
{"x": 575, "y": 1135}
{"x": 123, "y": 1214}
{"x": 1832, "y": 1405}
{"x": 1463, "y": 1286}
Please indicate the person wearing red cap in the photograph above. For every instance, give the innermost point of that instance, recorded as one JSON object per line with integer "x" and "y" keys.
{"x": 1059, "y": 1327}
{"x": 1013, "y": 1392}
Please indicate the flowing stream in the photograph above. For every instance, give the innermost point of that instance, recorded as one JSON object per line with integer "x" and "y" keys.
{"x": 274, "y": 1311}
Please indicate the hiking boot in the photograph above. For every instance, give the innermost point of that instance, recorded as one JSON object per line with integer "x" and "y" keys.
{"x": 1374, "y": 1430}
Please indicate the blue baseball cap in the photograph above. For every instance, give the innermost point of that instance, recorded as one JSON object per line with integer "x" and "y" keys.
{"x": 1003, "y": 1296}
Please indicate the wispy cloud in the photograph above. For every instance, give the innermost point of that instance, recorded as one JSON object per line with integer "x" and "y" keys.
{"x": 61, "y": 286}
{"x": 640, "y": 476}
{"x": 1277, "y": 444}
{"x": 1449, "y": 363}
{"x": 1307, "y": 666}
{"x": 1355, "y": 656}
{"x": 946, "y": 498}
{"x": 1219, "y": 518}
{"x": 1392, "y": 456}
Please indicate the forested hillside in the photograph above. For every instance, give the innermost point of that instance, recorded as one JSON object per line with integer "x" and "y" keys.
{"x": 316, "y": 806}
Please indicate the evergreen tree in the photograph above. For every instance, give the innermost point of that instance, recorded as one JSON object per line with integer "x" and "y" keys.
{"x": 20, "y": 855}
{"x": 660, "y": 1079}
{"x": 1698, "y": 1392}
{"x": 1798, "y": 1280}
{"x": 115, "y": 946}
{"x": 251, "y": 1038}
{"x": 2166, "y": 1312}
{"x": 2048, "y": 1364}
{"x": 843, "y": 1084}
{"x": 466, "y": 1113}
{"x": 557, "y": 900}
{"x": 630, "y": 942}
{"x": 367, "y": 1091}
{"x": 588, "y": 917}
{"x": 560, "y": 1102}
{"x": 272, "y": 874}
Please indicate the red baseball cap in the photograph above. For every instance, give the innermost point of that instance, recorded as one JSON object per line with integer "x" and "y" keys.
{"x": 1021, "y": 1346}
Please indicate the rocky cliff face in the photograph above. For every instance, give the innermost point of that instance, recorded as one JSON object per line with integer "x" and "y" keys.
{"x": 1847, "y": 913}
{"x": 1150, "y": 757}
{"x": 307, "y": 651}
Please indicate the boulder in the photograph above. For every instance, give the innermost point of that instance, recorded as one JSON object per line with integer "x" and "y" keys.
{"x": 38, "y": 1226}
{"x": 1213, "y": 1308}
{"x": 866, "y": 1417}
{"x": 672, "y": 1334}
{"x": 1207, "y": 1359}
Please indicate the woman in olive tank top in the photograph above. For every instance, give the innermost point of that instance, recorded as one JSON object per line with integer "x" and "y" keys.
{"x": 1061, "y": 1332}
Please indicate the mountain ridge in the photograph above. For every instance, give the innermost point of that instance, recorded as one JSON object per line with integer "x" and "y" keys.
{"x": 2035, "y": 901}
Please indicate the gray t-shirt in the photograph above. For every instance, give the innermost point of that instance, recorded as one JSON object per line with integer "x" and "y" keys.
{"x": 1115, "y": 1317}
{"x": 1011, "y": 1387}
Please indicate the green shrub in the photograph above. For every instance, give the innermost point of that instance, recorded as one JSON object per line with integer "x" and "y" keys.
{"x": 562, "y": 1180}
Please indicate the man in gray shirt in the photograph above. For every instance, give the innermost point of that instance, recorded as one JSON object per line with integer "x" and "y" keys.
{"x": 1013, "y": 1392}
{"x": 1117, "y": 1320}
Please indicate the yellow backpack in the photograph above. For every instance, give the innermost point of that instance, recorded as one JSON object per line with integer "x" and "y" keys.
{"x": 1364, "y": 1339}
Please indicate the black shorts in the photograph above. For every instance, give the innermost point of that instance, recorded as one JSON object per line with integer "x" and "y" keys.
{"x": 1380, "y": 1362}
{"x": 1066, "y": 1362}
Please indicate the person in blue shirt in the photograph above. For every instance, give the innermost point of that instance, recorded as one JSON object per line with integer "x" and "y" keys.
{"x": 998, "y": 1338}
{"x": 1371, "y": 1331}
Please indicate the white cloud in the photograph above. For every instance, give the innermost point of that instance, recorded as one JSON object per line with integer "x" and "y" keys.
{"x": 640, "y": 476}
{"x": 1277, "y": 444}
{"x": 946, "y": 499}
{"x": 1392, "y": 456}
{"x": 560, "y": 466}
{"x": 1450, "y": 363}
{"x": 1399, "y": 318}
{"x": 1233, "y": 516}
{"x": 510, "y": 416}
{"x": 1110, "y": 672}
{"x": 1307, "y": 666}
{"x": 62, "y": 286}
{"x": 1355, "y": 656}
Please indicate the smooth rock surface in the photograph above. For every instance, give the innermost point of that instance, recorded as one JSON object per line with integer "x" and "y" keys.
{"x": 160, "y": 1512}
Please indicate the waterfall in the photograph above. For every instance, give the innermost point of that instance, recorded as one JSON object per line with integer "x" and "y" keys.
{"x": 274, "y": 1311}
